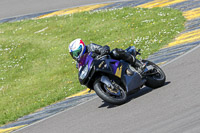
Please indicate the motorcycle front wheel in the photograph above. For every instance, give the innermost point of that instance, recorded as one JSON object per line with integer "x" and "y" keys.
{"x": 117, "y": 96}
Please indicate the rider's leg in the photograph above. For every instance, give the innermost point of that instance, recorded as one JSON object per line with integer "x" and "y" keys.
{"x": 120, "y": 54}
{"x": 132, "y": 51}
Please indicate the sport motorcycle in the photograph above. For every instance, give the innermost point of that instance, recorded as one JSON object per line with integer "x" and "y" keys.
{"x": 113, "y": 80}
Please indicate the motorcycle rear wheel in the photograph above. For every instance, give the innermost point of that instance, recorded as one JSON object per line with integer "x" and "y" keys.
{"x": 157, "y": 80}
{"x": 100, "y": 90}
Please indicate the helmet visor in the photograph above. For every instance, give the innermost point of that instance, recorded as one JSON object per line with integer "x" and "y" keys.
{"x": 75, "y": 54}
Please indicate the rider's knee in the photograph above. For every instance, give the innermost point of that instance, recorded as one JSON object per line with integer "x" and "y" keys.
{"x": 115, "y": 53}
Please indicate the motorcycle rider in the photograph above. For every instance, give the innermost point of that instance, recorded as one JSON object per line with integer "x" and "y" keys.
{"x": 77, "y": 48}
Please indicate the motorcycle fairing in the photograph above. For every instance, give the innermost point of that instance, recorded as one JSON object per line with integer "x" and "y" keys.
{"x": 113, "y": 67}
{"x": 85, "y": 59}
{"x": 133, "y": 81}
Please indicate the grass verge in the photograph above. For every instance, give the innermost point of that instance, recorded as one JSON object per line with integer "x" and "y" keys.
{"x": 36, "y": 68}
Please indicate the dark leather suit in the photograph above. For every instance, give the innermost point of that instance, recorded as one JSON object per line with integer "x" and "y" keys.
{"x": 116, "y": 53}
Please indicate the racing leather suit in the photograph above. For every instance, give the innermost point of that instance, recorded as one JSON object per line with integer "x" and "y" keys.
{"x": 116, "y": 53}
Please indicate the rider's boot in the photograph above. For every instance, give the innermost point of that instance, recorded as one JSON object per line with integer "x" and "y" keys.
{"x": 135, "y": 63}
{"x": 130, "y": 59}
{"x": 139, "y": 66}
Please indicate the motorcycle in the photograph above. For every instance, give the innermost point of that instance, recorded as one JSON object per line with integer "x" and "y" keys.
{"x": 113, "y": 80}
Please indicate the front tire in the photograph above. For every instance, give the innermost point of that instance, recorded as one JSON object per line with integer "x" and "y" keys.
{"x": 101, "y": 91}
{"x": 156, "y": 80}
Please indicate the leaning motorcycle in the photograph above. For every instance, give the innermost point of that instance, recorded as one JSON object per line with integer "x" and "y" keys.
{"x": 113, "y": 80}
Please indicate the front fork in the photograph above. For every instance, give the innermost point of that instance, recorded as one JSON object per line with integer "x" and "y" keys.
{"x": 109, "y": 86}
{"x": 107, "y": 82}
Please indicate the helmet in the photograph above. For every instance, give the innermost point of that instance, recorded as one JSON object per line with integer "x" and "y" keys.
{"x": 77, "y": 48}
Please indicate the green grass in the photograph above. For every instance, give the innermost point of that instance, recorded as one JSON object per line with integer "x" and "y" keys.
{"x": 36, "y": 69}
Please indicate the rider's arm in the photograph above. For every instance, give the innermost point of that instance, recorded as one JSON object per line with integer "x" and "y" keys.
{"x": 98, "y": 49}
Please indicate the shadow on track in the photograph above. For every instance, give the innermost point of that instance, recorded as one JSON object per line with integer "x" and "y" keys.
{"x": 140, "y": 93}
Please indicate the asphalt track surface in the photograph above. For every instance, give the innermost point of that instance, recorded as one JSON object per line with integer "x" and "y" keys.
{"x": 13, "y": 8}
{"x": 173, "y": 108}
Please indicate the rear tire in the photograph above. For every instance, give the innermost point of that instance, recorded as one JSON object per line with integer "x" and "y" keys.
{"x": 107, "y": 97}
{"x": 157, "y": 80}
